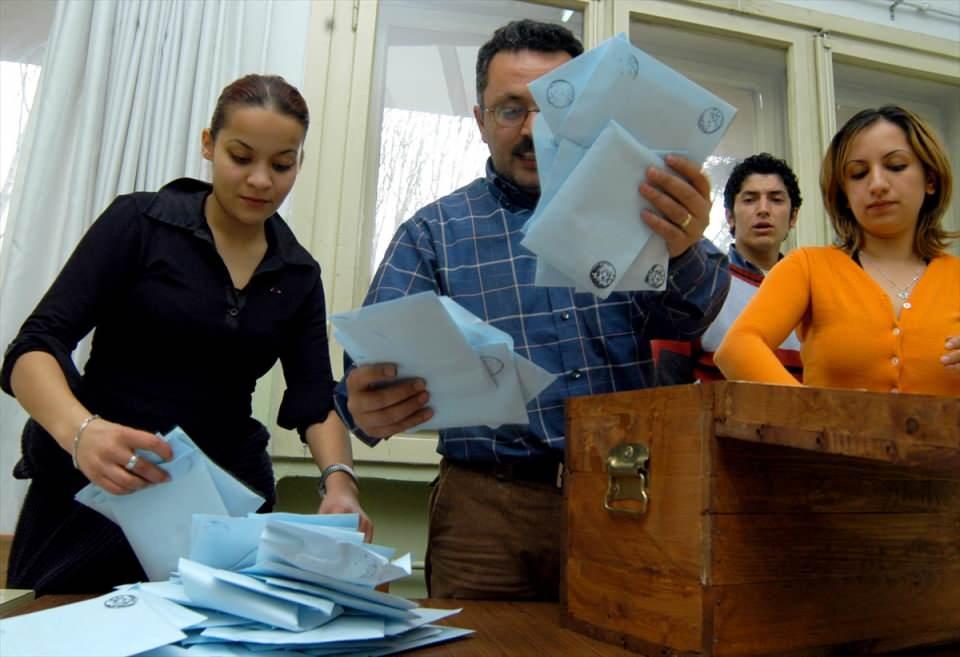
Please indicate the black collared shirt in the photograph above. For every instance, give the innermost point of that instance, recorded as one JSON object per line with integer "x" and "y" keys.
{"x": 175, "y": 343}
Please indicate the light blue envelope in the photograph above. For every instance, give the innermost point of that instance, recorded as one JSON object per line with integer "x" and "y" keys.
{"x": 401, "y": 645}
{"x": 311, "y": 549}
{"x": 236, "y": 496}
{"x": 239, "y": 498}
{"x": 598, "y": 209}
{"x": 418, "y": 333}
{"x": 219, "y": 589}
{"x": 323, "y": 605}
{"x": 224, "y": 542}
{"x": 518, "y": 380}
{"x": 100, "y": 627}
{"x": 557, "y": 94}
{"x": 345, "y": 628}
{"x": 220, "y": 649}
{"x": 356, "y": 590}
{"x": 566, "y": 158}
{"x": 232, "y": 543}
{"x": 562, "y": 160}
{"x": 174, "y": 592}
{"x": 660, "y": 107}
{"x": 424, "y": 616}
{"x": 156, "y": 520}
{"x": 352, "y": 647}
{"x": 348, "y": 602}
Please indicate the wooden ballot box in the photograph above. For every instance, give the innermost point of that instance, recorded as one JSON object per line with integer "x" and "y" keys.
{"x": 735, "y": 519}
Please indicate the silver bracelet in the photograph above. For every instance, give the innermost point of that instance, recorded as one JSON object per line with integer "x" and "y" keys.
{"x": 76, "y": 437}
{"x": 329, "y": 470}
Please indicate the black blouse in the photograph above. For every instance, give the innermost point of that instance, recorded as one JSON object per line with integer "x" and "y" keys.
{"x": 175, "y": 342}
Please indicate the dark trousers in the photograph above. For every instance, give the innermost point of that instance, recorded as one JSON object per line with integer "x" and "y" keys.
{"x": 492, "y": 538}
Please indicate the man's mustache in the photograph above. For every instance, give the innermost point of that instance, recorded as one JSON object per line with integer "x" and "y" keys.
{"x": 525, "y": 146}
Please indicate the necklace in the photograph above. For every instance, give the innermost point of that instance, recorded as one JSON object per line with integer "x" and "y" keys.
{"x": 903, "y": 293}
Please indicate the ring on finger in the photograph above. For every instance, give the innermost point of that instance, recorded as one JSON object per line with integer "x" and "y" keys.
{"x": 686, "y": 222}
{"x": 132, "y": 463}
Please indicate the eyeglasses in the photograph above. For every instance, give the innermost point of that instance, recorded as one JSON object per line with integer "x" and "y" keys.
{"x": 510, "y": 115}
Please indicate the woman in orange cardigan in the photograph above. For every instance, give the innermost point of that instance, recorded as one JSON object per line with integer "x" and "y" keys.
{"x": 881, "y": 310}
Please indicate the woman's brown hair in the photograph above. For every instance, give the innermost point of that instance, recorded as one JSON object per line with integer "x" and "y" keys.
{"x": 268, "y": 91}
{"x": 930, "y": 238}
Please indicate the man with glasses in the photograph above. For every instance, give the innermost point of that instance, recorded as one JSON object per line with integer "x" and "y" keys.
{"x": 496, "y": 508}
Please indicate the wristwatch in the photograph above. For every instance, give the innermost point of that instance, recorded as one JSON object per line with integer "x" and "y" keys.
{"x": 329, "y": 470}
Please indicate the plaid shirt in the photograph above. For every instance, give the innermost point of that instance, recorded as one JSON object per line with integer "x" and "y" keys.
{"x": 467, "y": 246}
{"x": 739, "y": 261}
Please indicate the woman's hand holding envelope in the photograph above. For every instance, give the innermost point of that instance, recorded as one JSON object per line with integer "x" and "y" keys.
{"x": 106, "y": 452}
{"x": 682, "y": 198}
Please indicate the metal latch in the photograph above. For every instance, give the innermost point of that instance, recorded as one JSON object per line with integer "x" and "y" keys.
{"x": 627, "y": 478}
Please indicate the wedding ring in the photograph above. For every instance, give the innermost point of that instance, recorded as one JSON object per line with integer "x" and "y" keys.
{"x": 132, "y": 463}
{"x": 686, "y": 222}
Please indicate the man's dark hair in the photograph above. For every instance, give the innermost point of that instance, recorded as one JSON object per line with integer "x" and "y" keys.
{"x": 764, "y": 164}
{"x": 525, "y": 34}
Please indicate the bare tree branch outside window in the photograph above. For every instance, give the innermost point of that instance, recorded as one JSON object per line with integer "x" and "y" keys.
{"x": 423, "y": 156}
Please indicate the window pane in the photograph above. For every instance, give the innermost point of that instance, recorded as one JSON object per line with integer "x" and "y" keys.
{"x": 856, "y": 88}
{"x": 18, "y": 84}
{"x": 424, "y": 93}
{"x": 749, "y": 76}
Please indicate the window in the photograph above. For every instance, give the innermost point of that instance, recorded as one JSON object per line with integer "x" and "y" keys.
{"x": 858, "y": 87}
{"x": 793, "y": 73}
{"x": 18, "y": 84}
{"x": 390, "y": 83}
{"x": 749, "y": 76}
{"x": 424, "y": 86}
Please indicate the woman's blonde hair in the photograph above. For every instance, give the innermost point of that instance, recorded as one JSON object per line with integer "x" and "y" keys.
{"x": 930, "y": 238}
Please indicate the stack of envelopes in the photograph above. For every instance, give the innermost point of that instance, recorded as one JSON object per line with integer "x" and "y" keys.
{"x": 251, "y": 584}
{"x": 605, "y": 117}
{"x": 472, "y": 371}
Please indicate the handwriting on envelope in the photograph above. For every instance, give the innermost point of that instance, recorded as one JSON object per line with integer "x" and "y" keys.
{"x": 473, "y": 374}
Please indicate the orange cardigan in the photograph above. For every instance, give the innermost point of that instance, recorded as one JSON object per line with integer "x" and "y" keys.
{"x": 849, "y": 334}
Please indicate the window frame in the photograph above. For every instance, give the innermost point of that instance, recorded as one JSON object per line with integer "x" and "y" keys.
{"x": 332, "y": 206}
{"x": 334, "y": 202}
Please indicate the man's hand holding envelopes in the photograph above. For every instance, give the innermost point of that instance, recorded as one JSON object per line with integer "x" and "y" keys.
{"x": 606, "y": 119}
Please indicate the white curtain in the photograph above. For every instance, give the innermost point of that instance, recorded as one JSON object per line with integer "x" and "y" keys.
{"x": 126, "y": 88}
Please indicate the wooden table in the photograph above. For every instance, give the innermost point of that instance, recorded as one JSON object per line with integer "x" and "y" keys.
{"x": 501, "y": 629}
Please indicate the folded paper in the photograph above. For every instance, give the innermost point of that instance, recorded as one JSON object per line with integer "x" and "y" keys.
{"x": 472, "y": 372}
{"x": 104, "y": 624}
{"x": 157, "y": 519}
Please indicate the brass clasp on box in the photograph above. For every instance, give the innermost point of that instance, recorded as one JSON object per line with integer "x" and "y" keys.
{"x": 627, "y": 479}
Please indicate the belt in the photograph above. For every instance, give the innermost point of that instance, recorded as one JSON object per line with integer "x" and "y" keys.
{"x": 540, "y": 471}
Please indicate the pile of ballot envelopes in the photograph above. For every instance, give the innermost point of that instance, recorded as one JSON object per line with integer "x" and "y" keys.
{"x": 241, "y": 584}
{"x": 605, "y": 117}
{"x": 472, "y": 371}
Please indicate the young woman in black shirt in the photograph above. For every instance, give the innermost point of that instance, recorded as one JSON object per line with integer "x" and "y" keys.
{"x": 194, "y": 292}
